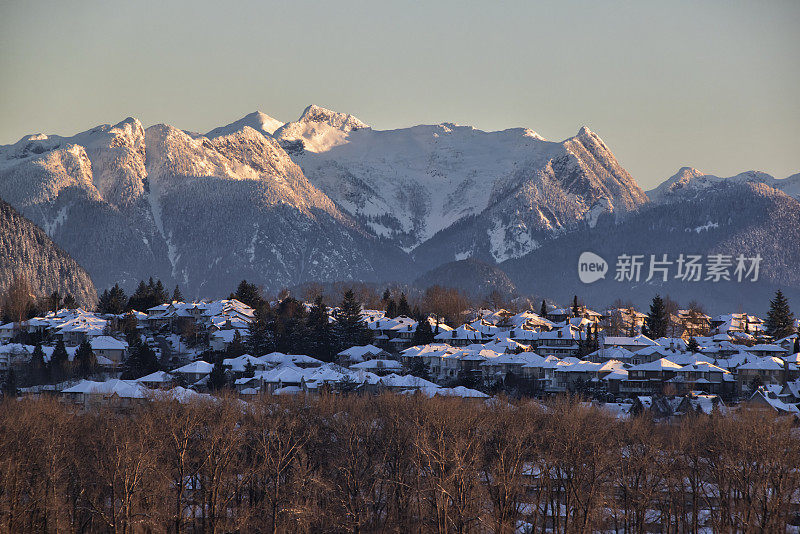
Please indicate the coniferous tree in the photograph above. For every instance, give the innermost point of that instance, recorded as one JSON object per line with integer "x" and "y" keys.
{"x": 543, "y": 310}
{"x": 139, "y": 299}
{"x": 780, "y": 319}
{"x": 424, "y": 333}
{"x": 217, "y": 378}
{"x": 59, "y": 361}
{"x": 176, "y": 294}
{"x": 38, "y": 366}
{"x": 575, "y": 308}
{"x": 321, "y": 341}
{"x": 113, "y": 301}
{"x": 417, "y": 367}
{"x": 402, "y": 306}
{"x": 69, "y": 302}
{"x": 85, "y": 360}
{"x": 54, "y": 301}
{"x": 160, "y": 295}
{"x": 261, "y": 333}
{"x": 142, "y": 361}
{"x": 236, "y": 347}
{"x": 796, "y": 347}
{"x": 351, "y": 329}
{"x": 10, "y": 384}
{"x": 386, "y": 296}
{"x": 391, "y": 309}
{"x": 693, "y": 346}
{"x": 249, "y": 369}
{"x": 657, "y": 321}
{"x": 249, "y": 294}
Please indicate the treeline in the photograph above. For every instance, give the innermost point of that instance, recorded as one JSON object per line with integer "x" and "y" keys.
{"x": 147, "y": 295}
{"x": 390, "y": 464}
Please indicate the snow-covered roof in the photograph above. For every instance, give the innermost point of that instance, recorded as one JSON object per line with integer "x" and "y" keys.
{"x": 107, "y": 343}
{"x": 198, "y": 367}
{"x": 120, "y": 388}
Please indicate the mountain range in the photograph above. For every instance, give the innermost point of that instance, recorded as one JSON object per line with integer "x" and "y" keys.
{"x": 328, "y": 198}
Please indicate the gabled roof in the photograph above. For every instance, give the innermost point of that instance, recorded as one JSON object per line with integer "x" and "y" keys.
{"x": 197, "y": 367}
{"x": 661, "y": 364}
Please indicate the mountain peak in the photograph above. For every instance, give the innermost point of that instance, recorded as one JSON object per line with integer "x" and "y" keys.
{"x": 260, "y": 122}
{"x": 342, "y": 121}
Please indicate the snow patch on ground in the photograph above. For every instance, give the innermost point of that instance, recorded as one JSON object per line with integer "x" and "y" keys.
{"x": 601, "y": 206}
{"x": 463, "y": 255}
{"x": 61, "y": 218}
{"x": 154, "y": 200}
{"x": 251, "y": 249}
{"x": 706, "y": 227}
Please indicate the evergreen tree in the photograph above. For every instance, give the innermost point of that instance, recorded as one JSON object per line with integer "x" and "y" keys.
{"x": 402, "y": 306}
{"x": 543, "y": 310}
{"x": 657, "y": 321}
{"x": 39, "y": 371}
{"x": 59, "y": 361}
{"x": 290, "y": 331}
{"x": 386, "y": 296}
{"x": 261, "y": 335}
{"x": 796, "y": 348}
{"x": 142, "y": 361}
{"x": 693, "y": 346}
{"x": 85, "y": 360}
{"x": 391, "y": 309}
{"x": 417, "y": 367}
{"x": 346, "y": 384}
{"x": 112, "y": 301}
{"x": 54, "y": 301}
{"x": 176, "y": 294}
{"x": 321, "y": 345}
{"x": 576, "y": 310}
{"x": 69, "y": 302}
{"x": 249, "y": 294}
{"x": 160, "y": 295}
{"x": 236, "y": 347}
{"x": 351, "y": 329}
{"x": 780, "y": 319}
{"x": 249, "y": 369}
{"x": 10, "y": 384}
{"x": 217, "y": 379}
{"x": 424, "y": 333}
{"x": 140, "y": 299}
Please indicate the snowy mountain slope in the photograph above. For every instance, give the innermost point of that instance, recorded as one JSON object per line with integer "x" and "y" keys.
{"x": 258, "y": 121}
{"x": 25, "y": 250}
{"x": 408, "y": 184}
{"x": 206, "y": 213}
{"x": 689, "y": 182}
{"x": 236, "y": 207}
{"x": 87, "y": 192}
{"x": 746, "y": 218}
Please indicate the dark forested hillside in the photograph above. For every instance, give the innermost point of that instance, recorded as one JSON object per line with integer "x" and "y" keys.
{"x": 27, "y": 252}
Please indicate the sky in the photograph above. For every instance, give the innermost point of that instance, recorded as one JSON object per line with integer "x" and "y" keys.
{"x": 713, "y": 85}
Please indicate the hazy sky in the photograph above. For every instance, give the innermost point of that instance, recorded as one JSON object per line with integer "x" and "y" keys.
{"x": 713, "y": 85}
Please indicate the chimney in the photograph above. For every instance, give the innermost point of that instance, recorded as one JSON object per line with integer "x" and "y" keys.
{"x": 785, "y": 371}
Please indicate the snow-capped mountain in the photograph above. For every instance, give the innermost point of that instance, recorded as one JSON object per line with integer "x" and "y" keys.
{"x": 409, "y": 184}
{"x": 26, "y": 251}
{"x": 130, "y": 203}
{"x": 689, "y": 182}
{"x": 744, "y": 217}
{"x": 328, "y": 198}
{"x": 258, "y": 121}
